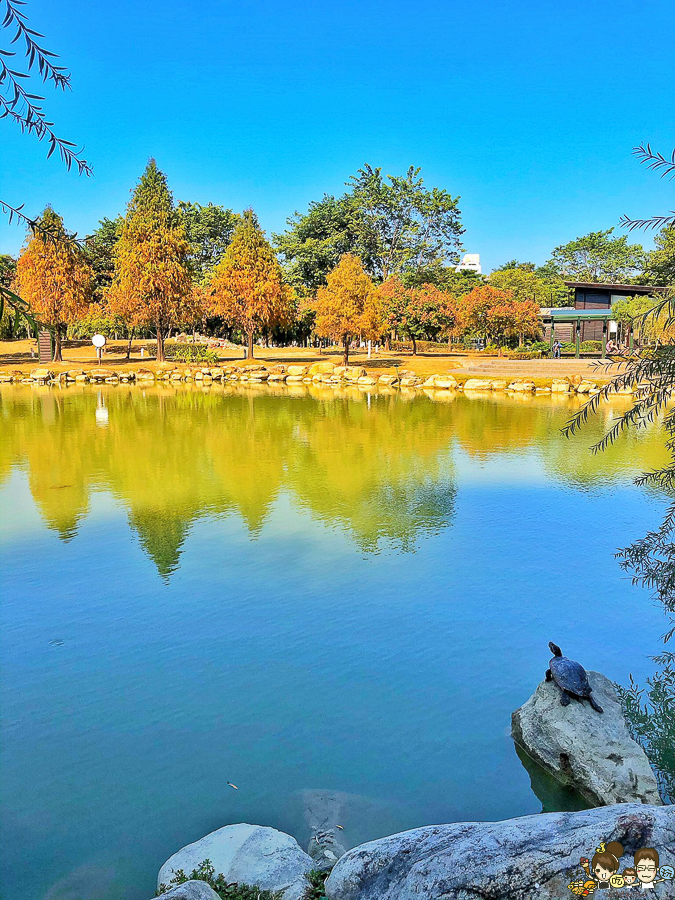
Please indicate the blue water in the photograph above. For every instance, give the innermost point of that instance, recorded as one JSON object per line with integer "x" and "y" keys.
{"x": 294, "y": 653}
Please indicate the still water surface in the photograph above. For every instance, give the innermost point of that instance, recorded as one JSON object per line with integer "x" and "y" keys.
{"x": 292, "y": 593}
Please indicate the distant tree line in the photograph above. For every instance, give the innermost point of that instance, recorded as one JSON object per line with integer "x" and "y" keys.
{"x": 379, "y": 262}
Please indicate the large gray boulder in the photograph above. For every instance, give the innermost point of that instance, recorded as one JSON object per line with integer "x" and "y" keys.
{"x": 590, "y": 751}
{"x": 518, "y": 859}
{"x": 249, "y": 854}
{"x": 191, "y": 890}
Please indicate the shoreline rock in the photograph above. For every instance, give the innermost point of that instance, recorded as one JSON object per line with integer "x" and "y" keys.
{"x": 249, "y": 854}
{"x": 516, "y": 859}
{"x": 592, "y": 752}
{"x": 191, "y": 890}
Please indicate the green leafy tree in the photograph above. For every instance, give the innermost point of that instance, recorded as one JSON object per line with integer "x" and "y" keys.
{"x": 209, "y": 230}
{"x": 152, "y": 275}
{"x": 100, "y": 248}
{"x": 405, "y": 225}
{"x": 600, "y": 257}
{"x": 529, "y": 282}
{"x": 316, "y": 241}
{"x": 661, "y": 263}
{"x": 394, "y": 224}
{"x": 8, "y": 321}
{"x": 632, "y": 311}
{"x": 7, "y": 269}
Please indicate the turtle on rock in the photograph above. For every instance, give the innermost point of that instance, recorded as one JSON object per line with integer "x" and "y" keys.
{"x": 570, "y": 677}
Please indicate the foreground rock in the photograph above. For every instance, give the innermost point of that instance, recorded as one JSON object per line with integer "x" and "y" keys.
{"x": 249, "y": 854}
{"x": 592, "y": 752}
{"x": 191, "y": 890}
{"x": 518, "y": 859}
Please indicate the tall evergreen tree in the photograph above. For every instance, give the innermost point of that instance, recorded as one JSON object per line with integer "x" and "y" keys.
{"x": 151, "y": 259}
{"x": 54, "y": 278}
{"x": 247, "y": 288}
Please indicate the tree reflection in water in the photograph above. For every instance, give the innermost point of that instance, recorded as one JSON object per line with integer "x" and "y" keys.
{"x": 174, "y": 456}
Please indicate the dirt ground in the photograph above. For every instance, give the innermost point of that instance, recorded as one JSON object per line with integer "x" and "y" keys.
{"x": 16, "y": 355}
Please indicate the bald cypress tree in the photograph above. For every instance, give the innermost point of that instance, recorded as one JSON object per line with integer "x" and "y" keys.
{"x": 247, "y": 288}
{"x": 151, "y": 260}
{"x": 54, "y": 278}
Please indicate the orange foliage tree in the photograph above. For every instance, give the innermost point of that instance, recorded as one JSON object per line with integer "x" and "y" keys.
{"x": 247, "y": 289}
{"x": 419, "y": 313}
{"x": 53, "y": 277}
{"x": 349, "y": 305}
{"x": 152, "y": 277}
{"x": 497, "y": 316}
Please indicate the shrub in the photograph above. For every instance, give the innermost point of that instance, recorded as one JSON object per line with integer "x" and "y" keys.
{"x": 192, "y": 353}
{"x": 316, "y": 889}
{"x": 540, "y": 346}
{"x": 523, "y": 354}
{"x": 422, "y": 346}
{"x": 591, "y": 346}
{"x": 205, "y": 871}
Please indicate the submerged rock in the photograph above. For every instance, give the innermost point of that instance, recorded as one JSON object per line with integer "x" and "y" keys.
{"x": 590, "y": 751}
{"x": 249, "y": 854}
{"x": 325, "y": 849}
{"x": 191, "y": 890}
{"x": 517, "y": 859}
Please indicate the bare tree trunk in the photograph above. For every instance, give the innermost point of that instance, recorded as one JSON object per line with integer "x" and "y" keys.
{"x": 160, "y": 344}
{"x": 131, "y": 337}
{"x": 345, "y": 356}
{"x": 414, "y": 343}
{"x": 250, "y": 345}
{"x": 57, "y": 357}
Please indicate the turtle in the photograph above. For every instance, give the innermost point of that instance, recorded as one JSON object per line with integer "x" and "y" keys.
{"x": 571, "y": 678}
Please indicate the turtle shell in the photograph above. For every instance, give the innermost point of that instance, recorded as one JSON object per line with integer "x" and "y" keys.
{"x": 570, "y": 675}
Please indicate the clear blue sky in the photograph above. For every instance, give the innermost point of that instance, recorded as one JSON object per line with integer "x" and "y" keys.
{"x": 528, "y": 110}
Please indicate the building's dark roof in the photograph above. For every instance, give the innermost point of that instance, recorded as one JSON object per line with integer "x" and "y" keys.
{"x": 629, "y": 288}
{"x": 569, "y": 314}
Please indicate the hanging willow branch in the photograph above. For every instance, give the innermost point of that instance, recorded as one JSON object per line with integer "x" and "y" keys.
{"x": 38, "y": 228}
{"x": 19, "y": 105}
{"x": 657, "y": 162}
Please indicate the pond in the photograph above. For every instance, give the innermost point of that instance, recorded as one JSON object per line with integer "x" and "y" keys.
{"x": 292, "y": 592}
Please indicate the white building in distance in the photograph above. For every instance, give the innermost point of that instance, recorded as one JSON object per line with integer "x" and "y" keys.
{"x": 470, "y": 262}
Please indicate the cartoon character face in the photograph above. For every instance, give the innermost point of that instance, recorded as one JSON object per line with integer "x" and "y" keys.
{"x": 601, "y": 873}
{"x": 646, "y": 870}
{"x": 629, "y": 878}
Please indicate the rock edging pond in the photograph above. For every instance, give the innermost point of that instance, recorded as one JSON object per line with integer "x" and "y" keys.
{"x": 323, "y": 373}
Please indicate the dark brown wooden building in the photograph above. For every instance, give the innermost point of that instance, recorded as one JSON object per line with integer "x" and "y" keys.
{"x": 589, "y": 314}
{"x": 591, "y": 296}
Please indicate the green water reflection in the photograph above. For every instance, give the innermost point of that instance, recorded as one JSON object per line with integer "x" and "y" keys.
{"x": 379, "y": 466}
